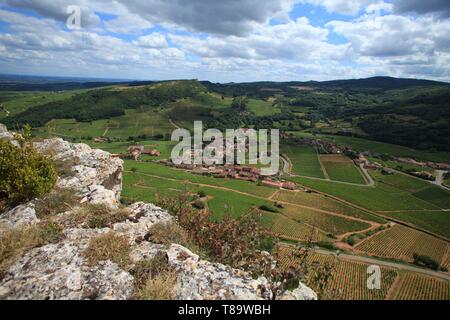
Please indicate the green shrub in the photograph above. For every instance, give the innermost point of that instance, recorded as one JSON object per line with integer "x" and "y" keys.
{"x": 268, "y": 208}
{"x": 201, "y": 194}
{"x": 425, "y": 261}
{"x": 199, "y": 204}
{"x": 24, "y": 174}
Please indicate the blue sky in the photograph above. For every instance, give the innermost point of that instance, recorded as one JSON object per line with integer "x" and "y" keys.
{"x": 227, "y": 40}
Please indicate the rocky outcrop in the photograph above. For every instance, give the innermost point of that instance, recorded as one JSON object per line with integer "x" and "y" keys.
{"x": 97, "y": 175}
{"x": 60, "y": 271}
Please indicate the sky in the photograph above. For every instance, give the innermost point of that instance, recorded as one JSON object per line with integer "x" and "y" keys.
{"x": 226, "y": 40}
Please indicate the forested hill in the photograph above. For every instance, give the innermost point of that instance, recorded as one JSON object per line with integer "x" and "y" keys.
{"x": 408, "y": 112}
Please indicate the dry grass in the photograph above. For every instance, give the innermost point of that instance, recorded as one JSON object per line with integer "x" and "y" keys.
{"x": 95, "y": 216}
{"x": 154, "y": 279}
{"x": 167, "y": 233}
{"x": 56, "y": 202}
{"x": 109, "y": 247}
{"x": 14, "y": 243}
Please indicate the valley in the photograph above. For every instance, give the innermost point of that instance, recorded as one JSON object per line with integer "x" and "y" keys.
{"x": 343, "y": 146}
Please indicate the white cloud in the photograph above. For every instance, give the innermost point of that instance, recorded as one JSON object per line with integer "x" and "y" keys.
{"x": 154, "y": 40}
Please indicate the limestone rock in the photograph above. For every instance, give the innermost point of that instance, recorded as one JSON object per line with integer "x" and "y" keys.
{"x": 92, "y": 168}
{"x": 20, "y": 216}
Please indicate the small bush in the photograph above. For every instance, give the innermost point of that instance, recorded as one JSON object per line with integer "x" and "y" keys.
{"x": 24, "y": 174}
{"x": 425, "y": 261}
{"x": 199, "y": 204}
{"x": 95, "y": 216}
{"x": 351, "y": 241}
{"x": 49, "y": 232}
{"x": 109, "y": 247}
{"x": 56, "y": 202}
{"x": 327, "y": 245}
{"x": 268, "y": 208}
{"x": 201, "y": 194}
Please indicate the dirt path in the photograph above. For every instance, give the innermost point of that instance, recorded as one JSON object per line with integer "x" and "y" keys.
{"x": 325, "y": 173}
{"x": 367, "y": 176}
{"x": 174, "y": 124}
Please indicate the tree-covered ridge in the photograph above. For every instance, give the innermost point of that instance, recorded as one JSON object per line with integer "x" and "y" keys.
{"x": 413, "y": 113}
{"x": 106, "y": 103}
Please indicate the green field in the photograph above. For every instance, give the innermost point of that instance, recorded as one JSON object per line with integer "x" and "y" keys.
{"x": 262, "y": 107}
{"x": 359, "y": 144}
{"x": 304, "y": 159}
{"x": 17, "y": 102}
{"x": 322, "y": 202}
{"x": 133, "y": 123}
{"x": 379, "y": 198}
{"x": 328, "y": 223}
{"x": 248, "y": 188}
{"x": 341, "y": 168}
{"x": 433, "y": 221}
{"x": 419, "y": 188}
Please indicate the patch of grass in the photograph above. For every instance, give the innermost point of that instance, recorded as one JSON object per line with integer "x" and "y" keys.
{"x": 56, "y": 202}
{"x": 111, "y": 247}
{"x": 154, "y": 279}
{"x": 167, "y": 233}
{"x": 95, "y": 216}
{"x": 15, "y": 242}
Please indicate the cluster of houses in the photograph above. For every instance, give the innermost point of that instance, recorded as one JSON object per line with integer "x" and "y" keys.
{"x": 135, "y": 152}
{"x": 230, "y": 171}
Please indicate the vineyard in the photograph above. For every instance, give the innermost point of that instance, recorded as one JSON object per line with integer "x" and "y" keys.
{"x": 329, "y": 223}
{"x": 291, "y": 230}
{"x": 401, "y": 243}
{"x": 413, "y": 286}
{"x": 325, "y": 203}
{"x": 341, "y": 168}
{"x": 349, "y": 279}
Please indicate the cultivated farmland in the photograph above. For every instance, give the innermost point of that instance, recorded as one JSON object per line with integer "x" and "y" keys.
{"x": 414, "y": 286}
{"x": 433, "y": 221}
{"x": 400, "y": 242}
{"x": 291, "y": 230}
{"x": 329, "y": 223}
{"x": 305, "y": 161}
{"x": 341, "y": 168}
{"x": 322, "y": 202}
{"x": 348, "y": 279}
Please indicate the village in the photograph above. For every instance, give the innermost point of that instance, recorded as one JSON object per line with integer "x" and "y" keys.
{"x": 253, "y": 173}
{"x": 226, "y": 171}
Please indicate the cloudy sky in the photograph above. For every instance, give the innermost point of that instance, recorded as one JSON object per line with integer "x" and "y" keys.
{"x": 227, "y": 40}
